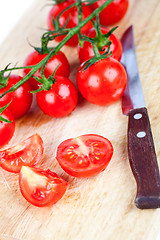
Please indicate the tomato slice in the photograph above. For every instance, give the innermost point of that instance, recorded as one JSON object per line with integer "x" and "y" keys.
{"x": 40, "y": 187}
{"x": 84, "y": 156}
{"x": 27, "y": 153}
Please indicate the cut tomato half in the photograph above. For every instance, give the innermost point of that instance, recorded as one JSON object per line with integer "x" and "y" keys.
{"x": 40, "y": 187}
{"x": 27, "y": 153}
{"x": 84, "y": 156}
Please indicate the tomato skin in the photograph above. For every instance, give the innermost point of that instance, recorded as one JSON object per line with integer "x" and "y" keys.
{"x": 41, "y": 188}
{"x": 6, "y": 129}
{"x": 103, "y": 82}
{"x": 21, "y": 98}
{"x": 84, "y": 156}
{"x": 86, "y": 51}
{"x": 60, "y": 100}
{"x": 26, "y": 153}
{"x": 73, "y": 21}
{"x": 58, "y": 59}
{"x": 113, "y": 13}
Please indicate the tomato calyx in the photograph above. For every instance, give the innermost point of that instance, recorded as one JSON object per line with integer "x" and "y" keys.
{"x": 101, "y": 39}
{"x": 46, "y": 82}
{"x": 96, "y": 58}
{"x": 59, "y": 30}
{"x": 1, "y": 110}
{"x": 4, "y": 78}
{"x": 98, "y": 43}
{"x": 43, "y": 50}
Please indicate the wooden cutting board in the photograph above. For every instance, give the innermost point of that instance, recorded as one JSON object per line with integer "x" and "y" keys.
{"x": 101, "y": 207}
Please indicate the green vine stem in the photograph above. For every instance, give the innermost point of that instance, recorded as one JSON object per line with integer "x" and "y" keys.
{"x": 101, "y": 39}
{"x": 1, "y": 111}
{"x": 71, "y": 33}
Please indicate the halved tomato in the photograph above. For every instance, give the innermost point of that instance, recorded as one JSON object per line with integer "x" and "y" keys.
{"x": 84, "y": 156}
{"x": 40, "y": 187}
{"x": 27, "y": 153}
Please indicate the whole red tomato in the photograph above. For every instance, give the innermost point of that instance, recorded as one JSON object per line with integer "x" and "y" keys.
{"x": 21, "y": 98}
{"x": 6, "y": 129}
{"x": 84, "y": 156}
{"x": 113, "y": 13}
{"x": 58, "y": 59}
{"x": 86, "y": 51}
{"x": 103, "y": 82}
{"x": 41, "y": 188}
{"x": 60, "y": 100}
{"x": 72, "y": 14}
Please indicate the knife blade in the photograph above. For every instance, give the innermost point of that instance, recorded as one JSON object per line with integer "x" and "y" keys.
{"x": 141, "y": 150}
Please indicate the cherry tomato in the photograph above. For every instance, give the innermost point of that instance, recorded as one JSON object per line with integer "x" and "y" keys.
{"x": 21, "y": 98}
{"x": 86, "y": 51}
{"x": 40, "y": 187}
{"x": 27, "y": 153}
{"x": 6, "y": 129}
{"x": 58, "y": 59}
{"x": 113, "y": 13}
{"x": 84, "y": 156}
{"x": 72, "y": 14}
{"x": 60, "y": 100}
{"x": 103, "y": 82}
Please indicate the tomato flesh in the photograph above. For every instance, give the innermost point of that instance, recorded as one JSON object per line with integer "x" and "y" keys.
{"x": 27, "y": 153}
{"x": 84, "y": 156}
{"x": 40, "y": 187}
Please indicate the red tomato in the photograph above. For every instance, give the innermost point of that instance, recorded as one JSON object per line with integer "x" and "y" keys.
{"x": 113, "y": 13}
{"x": 86, "y": 51}
{"x": 60, "y": 100}
{"x": 27, "y": 153}
{"x": 41, "y": 188}
{"x": 84, "y": 156}
{"x": 58, "y": 59}
{"x": 6, "y": 129}
{"x": 72, "y": 14}
{"x": 103, "y": 82}
{"x": 21, "y": 98}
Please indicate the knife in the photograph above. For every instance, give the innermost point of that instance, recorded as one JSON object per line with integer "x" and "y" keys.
{"x": 141, "y": 151}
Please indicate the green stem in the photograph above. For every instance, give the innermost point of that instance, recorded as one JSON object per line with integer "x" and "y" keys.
{"x": 23, "y": 80}
{"x": 95, "y": 49}
{"x": 98, "y": 28}
{"x": 76, "y": 29}
{"x": 71, "y": 33}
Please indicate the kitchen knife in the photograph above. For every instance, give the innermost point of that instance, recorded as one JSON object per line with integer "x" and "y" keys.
{"x": 141, "y": 151}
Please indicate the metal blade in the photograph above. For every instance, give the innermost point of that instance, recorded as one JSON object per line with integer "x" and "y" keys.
{"x": 133, "y": 95}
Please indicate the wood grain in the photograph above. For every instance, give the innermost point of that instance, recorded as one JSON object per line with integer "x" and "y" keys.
{"x": 100, "y": 207}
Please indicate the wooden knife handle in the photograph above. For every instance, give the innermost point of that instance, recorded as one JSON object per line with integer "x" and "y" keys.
{"x": 143, "y": 159}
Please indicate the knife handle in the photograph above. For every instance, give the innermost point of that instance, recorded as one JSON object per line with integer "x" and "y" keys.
{"x": 143, "y": 159}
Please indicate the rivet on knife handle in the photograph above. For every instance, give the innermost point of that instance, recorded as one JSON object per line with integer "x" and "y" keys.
{"x": 143, "y": 159}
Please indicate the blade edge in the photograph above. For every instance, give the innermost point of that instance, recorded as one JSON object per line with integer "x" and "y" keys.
{"x": 133, "y": 94}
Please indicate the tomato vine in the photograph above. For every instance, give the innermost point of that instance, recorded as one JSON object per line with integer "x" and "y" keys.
{"x": 50, "y": 35}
